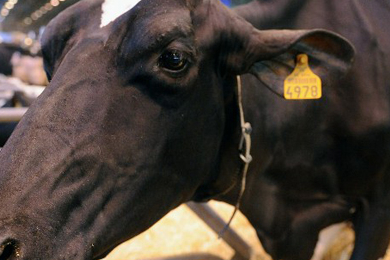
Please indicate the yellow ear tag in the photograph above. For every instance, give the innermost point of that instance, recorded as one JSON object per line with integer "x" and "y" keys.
{"x": 302, "y": 83}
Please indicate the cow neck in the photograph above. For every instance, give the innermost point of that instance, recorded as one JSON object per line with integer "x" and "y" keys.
{"x": 244, "y": 149}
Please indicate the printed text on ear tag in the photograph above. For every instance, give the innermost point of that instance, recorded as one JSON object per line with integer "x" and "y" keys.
{"x": 302, "y": 83}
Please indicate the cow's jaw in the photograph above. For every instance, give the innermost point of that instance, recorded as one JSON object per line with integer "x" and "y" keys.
{"x": 105, "y": 216}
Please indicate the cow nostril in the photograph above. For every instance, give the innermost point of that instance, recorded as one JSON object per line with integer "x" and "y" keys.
{"x": 9, "y": 250}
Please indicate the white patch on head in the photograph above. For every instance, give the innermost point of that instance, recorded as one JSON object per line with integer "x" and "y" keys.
{"x": 113, "y": 9}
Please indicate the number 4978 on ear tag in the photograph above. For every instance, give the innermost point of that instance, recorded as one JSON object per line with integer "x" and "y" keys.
{"x": 302, "y": 83}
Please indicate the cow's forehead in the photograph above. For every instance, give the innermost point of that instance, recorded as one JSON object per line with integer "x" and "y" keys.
{"x": 154, "y": 24}
{"x": 113, "y": 9}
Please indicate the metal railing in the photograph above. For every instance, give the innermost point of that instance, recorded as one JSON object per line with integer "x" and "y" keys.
{"x": 11, "y": 114}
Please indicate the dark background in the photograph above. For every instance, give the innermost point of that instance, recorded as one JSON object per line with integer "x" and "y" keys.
{"x": 15, "y": 21}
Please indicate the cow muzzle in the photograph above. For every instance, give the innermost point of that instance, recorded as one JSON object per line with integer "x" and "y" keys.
{"x": 9, "y": 249}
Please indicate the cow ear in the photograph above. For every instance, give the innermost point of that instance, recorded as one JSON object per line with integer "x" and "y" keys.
{"x": 273, "y": 55}
{"x": 54, "y": 40}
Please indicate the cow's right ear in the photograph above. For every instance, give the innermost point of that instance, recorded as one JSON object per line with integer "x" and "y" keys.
{"x": 54, "y": 41}
{"x": 270, "y": 54}
{"x": 274, "y": 55}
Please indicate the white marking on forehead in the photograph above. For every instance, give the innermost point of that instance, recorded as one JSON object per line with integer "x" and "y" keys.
{"x": 113, "y": 9}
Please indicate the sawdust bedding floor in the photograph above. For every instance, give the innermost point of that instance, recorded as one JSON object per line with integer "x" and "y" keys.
{"x": 181, "y": 233}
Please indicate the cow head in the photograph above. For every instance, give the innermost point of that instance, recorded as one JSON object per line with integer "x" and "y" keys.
{"x": 133, "y": 121}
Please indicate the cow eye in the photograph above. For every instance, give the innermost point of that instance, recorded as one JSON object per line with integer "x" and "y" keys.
{"x": 173, "y": 60}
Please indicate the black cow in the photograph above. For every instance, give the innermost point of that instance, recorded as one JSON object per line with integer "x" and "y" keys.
{"x": 141, "y": 116}
{"x": 321, "y": 158}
